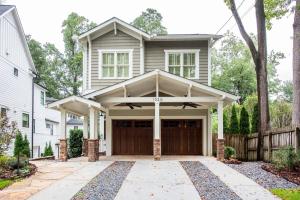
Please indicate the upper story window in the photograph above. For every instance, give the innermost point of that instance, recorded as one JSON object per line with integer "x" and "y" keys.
{"x": 3, "y": 112}
{"x": 50, "y": 127}
{"x": 115, "y": 64}
{"x": 183, "y": 62}
{"x": 42, "y": 98}
{"x": 25, "y": 120}
{"x": 16, "y": 72}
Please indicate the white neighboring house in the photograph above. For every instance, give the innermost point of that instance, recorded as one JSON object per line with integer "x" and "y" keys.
{"x": 16, "y": 72}
{"x": 46, "y": 123}
{"x": 73, "y": 122}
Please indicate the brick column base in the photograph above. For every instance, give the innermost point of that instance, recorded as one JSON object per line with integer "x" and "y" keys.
{"x": 93, "y": 150}
{"x": 156, "y": 149}
{"x": 220, "y": 149}
{"x": 63, "y": 150}
{"x": 85, "y": 147}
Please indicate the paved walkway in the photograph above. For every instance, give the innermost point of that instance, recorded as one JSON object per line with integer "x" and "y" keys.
{"x": 150, "y": 179}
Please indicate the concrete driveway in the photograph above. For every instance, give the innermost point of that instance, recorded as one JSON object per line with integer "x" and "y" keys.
{"x": 195, "y": 178}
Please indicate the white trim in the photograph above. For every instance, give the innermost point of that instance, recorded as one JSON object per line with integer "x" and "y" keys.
{"x": 206, "y": 88}
{"x": 182, "y": 51}
{"x": 142, "y": 57}
{"x": 209, "y": 63}
{"x": 115, "y": 51}
{"x": 115, "y": 20}
{"x": 90, "y": 62}
{"x": 58, "y": 103}
{"x": 84, "y": 67}
{"x": 220, "y": 120}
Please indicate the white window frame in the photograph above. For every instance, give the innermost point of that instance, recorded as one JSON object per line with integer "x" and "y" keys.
{"x": 43, "y": 95}
{"x": 115, "y": 51}
{"x": 182, "y": 51}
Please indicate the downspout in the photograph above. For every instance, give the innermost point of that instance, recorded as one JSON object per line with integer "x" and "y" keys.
{"x": 32, "y": 115}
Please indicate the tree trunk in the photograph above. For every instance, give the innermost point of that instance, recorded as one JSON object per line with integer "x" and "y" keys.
{"x": 261, "y": 75}
{"x": 296, "y": 66}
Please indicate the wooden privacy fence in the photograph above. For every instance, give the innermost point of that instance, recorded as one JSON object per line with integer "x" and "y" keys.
{"x": 246, "y": 146}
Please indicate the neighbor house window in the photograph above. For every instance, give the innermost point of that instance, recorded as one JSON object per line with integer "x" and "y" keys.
{"x": 42, "y": 98}
{"x": 183, "y": 63}
{"x": 3, "y": 112}
{"x": 75, "y": 127}
{"x": 115, "y": 63}
{"x": 50, "y": 127}
{"x": 16, "y": 72}
{"x": 25, "y": 120}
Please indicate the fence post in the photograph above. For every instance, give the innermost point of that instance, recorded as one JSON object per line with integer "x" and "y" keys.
{"x": 297, "y": 136}
{"x": 246, "y": 147}
{"x": 270, "y": 146}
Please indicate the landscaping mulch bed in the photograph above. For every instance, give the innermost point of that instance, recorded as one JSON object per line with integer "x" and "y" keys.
{"x": 12, "y": 173}
{"x": 292, "y": 176}
{"x": 254, "y": 171}
{"x": 208, "y": 185}
{"x": 107, "y": 183}
{"x": 232, "y": 161}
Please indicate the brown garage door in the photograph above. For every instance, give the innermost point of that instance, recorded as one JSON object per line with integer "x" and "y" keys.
{"x": 132, "y": 137}
{"x": 181, "y": 137}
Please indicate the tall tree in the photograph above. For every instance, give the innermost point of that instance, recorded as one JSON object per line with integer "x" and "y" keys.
{"x": 287, "y": 91}
{"x": 72, "y": 26}
{"x": 296, "y": 66}
{"x": 265, "y": 10}
{"x": 234, "y": 122}
{"x": 244, "y": 122}
{"x": 150, "y": 22}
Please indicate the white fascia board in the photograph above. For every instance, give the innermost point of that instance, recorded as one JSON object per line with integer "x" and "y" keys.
{"x": 114, "y": 20}
{"x": 59, "y": 103}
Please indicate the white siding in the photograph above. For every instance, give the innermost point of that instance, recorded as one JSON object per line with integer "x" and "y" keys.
{"x": 42, "y": 134}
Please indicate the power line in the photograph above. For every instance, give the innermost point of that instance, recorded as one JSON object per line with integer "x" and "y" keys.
{"x": 229, "y": 18}
{"x": 246, "y": 13}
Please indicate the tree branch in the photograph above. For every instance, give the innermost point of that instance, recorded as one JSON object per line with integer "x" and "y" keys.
{"x": 243, "y": 32}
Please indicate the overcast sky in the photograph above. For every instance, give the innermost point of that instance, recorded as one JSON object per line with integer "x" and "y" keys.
{"x": 43, "y": 18}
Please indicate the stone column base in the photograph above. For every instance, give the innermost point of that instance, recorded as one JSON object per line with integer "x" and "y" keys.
{"x": 220, "y": 149}
{"x": 63, "y": 150}
{"x": 93, "y": 150}
{"x": 85, "y": 147}
{"x": 156, "y": 149}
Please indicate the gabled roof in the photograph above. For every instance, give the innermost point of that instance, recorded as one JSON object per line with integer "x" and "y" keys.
{"x": 146, "y": 36}
{"x": 4, "y": 10}
{"x": 166, "y": 75}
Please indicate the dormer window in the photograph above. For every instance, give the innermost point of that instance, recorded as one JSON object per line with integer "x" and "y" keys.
{"x": 183, "y": 62}
{"x": 115, "y": 64}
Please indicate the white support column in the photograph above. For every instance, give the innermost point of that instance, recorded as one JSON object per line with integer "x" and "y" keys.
{"x": 220, "y": 120}
{"x": 209, "y": 131}
{"x": 156, "y": 121}
{"x": 63, "y": 118}
{"x": 108, "y": 132}
{"x": 93, "y": 123}
{"x": 101, "y": 131}
{"x": 85, "y": 127}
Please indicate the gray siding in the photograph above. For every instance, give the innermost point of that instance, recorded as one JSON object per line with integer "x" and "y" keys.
{"x": 111, "y": 41}
{"x": 155, "y": 55}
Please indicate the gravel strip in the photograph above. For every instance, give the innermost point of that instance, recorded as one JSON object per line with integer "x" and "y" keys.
{"x": 208, "y": 185}
{"x": 107, "y": 183}
{"x": 266, "y": 179}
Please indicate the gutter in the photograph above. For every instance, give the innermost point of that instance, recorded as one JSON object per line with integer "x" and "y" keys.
{"x": 32, "y": 115}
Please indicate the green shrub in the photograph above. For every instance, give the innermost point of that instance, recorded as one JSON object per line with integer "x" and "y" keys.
{"x": 244, "y": 122}
{"x": 26, "y": 148}
{"x": 18, "y": 144}
{"x": 48, "y": 150}
{"x": 225, "y": 123}
{"x": 229, "y": 152}
{"x": 234, "y": 123}
{"x": 285, "y": 158}
{"x": 7, "y": 162}
{"x": 75, "y": 143}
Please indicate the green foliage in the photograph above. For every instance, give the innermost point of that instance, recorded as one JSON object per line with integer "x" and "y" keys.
{"x": 5, "y": 183}
{"x": 150, "y": 22}
{"x": 7, "y": 162}
{"x": 287, "y": 91}
{"x": 72, "y": 26}
{"x": 19, "y": 144}
{"x": 233, "y": 69}
{"x": 255, "y": 119}
{"x": 275, "y": 9}
{"x": 225, "y": 123}
{"x": 26, "y": 148}
{"x": 7, "y": 133}
{"x": 244, "y": 122}
{"x": 75, "y": 146}
{"x": 287, "y": 194}
{"x": 48, "y": 150}
{"x": 234, "y": 123}
{"x": 281, "y": 113}
{"x": 229, "y": 152}
{"x": 285, "y": 158}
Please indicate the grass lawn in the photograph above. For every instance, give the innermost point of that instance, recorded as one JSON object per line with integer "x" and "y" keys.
{"x": 287, "y": 194}
{"x": 5, "y": 183}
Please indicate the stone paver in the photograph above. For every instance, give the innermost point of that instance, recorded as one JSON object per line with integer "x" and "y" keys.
{"x": 67, "y": 187}
{"x": 150, "y": 179}
{"x": 244, "y": 187}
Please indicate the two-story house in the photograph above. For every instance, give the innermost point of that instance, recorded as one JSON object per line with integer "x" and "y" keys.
{"x": 154, "y": 92}
{"x": 16, "y": 72}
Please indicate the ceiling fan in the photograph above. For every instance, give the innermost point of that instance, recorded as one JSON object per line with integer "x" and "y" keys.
{"x": 132, "y": 105}
{"x": 189, "y": 104}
